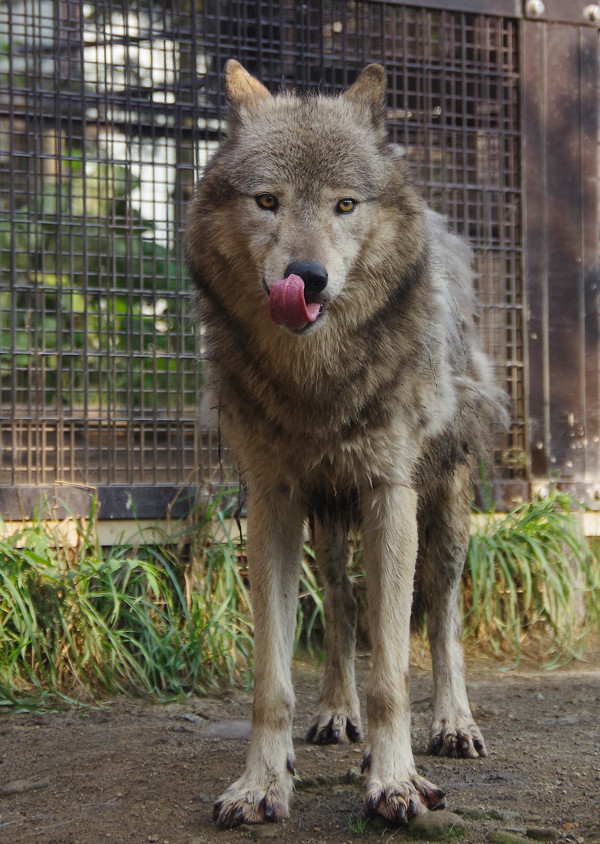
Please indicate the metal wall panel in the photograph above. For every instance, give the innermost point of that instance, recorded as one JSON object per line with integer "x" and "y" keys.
{"x": 98, "y": 374}
{"x": 453, "y": 104}
{"x": 109, "y": 111}
{"x": 560, "y": 138}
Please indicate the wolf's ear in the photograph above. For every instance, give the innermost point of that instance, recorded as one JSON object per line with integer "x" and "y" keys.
{"x": 369, "y": 92}
{"x": 242, "y": 88}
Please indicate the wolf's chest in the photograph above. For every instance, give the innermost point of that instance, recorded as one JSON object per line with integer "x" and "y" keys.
{"x": 342, "y": 438}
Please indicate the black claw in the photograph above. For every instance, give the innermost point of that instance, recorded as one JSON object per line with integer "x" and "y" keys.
{"x": 413, "y": 807}
{"x": 217, "y": 810}
{"x": 290, "y": 766}
{"x": 238, "y": 816}
{"x": 270, "y": 813}
{"x": 400, "y": 814}
{"x": 435, "y": 743}
{"x": 311, "y": 733}
{"x": 352, "y": 731}
{"x": 373, "y": 804}
{"x": 432, "y": 796}
{"x": 366, "y": 763}
{"x": 477, "y": 744}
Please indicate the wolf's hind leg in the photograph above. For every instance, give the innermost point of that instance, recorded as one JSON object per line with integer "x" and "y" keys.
{"x": 338, "y": 711}
{"x": 275, "y": 535}
{"x": 444, "y": 539}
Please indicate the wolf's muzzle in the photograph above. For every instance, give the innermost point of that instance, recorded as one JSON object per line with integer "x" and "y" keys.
{"x": 313, "y": 274}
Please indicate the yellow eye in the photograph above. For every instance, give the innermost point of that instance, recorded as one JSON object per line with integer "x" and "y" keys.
{"x": 346, "y": 206}
{"x": 267, "y": 202}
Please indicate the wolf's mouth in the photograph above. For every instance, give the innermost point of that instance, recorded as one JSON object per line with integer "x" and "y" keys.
{"x": 292, "y": 306}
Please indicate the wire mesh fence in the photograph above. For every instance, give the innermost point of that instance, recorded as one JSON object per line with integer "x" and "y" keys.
{"x": 108, "y": 112}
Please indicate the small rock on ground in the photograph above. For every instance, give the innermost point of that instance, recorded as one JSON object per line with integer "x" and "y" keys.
{"x": 545, "y": 833}
{"x": 263, "y": 831}
{"x": 436, "y": 825}
{"x": 505, "y": 837}
{"x": 23, "y": 786}
{"x": 228, "y": 730}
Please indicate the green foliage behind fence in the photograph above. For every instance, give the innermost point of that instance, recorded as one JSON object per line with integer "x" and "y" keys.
{"x": 95, "y": 294}
{"x": 172, "y": 616}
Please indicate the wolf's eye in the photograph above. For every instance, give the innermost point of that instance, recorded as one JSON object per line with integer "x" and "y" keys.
{"x": 267, "y": 202}
{"x": 345, "y": 206}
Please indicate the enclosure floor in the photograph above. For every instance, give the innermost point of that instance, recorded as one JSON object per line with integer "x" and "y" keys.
{"x": 135, "y": 772}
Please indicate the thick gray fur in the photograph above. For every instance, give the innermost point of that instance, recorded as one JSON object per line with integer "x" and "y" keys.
{"x": 377, "y": 413}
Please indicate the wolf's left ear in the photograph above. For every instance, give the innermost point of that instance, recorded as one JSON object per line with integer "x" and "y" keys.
{"x": 369, "y": 92}
{"x": 242, "y": 88}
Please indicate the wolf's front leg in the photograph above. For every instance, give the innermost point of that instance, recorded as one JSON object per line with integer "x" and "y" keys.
{"x": 275, "y": 525}
{"x": 394, "y": 789}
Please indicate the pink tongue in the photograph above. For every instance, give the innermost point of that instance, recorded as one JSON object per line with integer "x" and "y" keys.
{"x": 287, "y": 305}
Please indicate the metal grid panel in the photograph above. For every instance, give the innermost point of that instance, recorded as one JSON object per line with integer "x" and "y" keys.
{"x": 453, "y": 104}
{"x": 98, "y": 381}
{"x": 107, "y": 113}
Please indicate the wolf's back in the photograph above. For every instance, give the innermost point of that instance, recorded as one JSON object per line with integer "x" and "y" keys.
{"x": 482, "y": 403}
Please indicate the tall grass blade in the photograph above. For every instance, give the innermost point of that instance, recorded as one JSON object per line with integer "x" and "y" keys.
{"x": 531, "y": 578}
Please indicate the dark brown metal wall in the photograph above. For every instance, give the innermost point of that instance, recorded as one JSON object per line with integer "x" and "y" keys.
{"x": 560, "y": 178}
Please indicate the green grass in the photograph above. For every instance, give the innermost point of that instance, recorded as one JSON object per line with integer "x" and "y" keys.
{"x": 532, "y": 581}
{"x": 171, "y": 616}
{"x": 84, "y": 621}
{"x": 358, "y": 825}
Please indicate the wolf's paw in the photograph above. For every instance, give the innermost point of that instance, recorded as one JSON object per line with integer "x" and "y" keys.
{"x": 333, "y": 726}
{"x": 459, "y": 741}
{"x": 241, "y": 804}
{"x": 398, "y": 802}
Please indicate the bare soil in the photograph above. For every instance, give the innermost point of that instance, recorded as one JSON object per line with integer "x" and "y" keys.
{"x": 130, "y": 771}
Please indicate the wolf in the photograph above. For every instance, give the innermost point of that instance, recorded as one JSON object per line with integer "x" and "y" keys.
{"x": 341, "y": 350}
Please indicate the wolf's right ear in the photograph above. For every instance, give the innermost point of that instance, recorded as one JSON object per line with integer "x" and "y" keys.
{"x": 369, "y": 92}
{"x": 241, "y": 88}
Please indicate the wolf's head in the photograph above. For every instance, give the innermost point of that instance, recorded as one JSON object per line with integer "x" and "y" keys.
{"x": 307, "y": 204}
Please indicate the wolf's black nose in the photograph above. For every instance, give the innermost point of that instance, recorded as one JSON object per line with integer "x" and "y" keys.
{"x": 313, "y": 274}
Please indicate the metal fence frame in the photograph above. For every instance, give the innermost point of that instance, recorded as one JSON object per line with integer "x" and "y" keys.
{"x": 107, "y": 114}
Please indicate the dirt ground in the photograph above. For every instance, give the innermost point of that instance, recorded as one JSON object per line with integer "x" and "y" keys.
{"x": 130, "y": 771}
